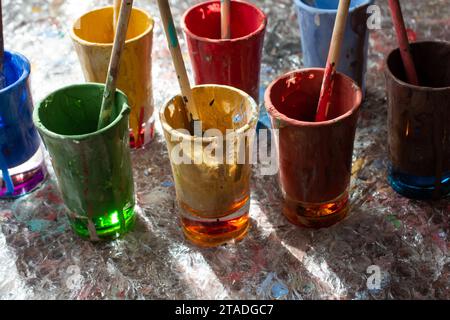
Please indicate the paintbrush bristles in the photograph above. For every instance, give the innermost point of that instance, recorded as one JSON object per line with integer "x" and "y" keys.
{"x": 177, "y": 58}
{"x": 402, "y": 37}
{"x": 225, "y": 9}
{"x": 114, "y": 64}
{"x": 333, "y": 59}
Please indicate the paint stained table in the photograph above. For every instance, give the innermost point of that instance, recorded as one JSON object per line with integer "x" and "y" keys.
{"x": 41, "y": 258}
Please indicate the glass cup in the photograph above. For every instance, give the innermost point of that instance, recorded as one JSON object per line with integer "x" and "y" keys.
{"x": 93, "y": 36}
{"x": 212, "y": 168}
{"x": 316, "y": 20}
{"x": 419, "y": 122}
{"x": 21, "y": 158}
{"x": 315, "y": 158}
{"x": 93, "y": 167}
{"x": 233, "y": 62}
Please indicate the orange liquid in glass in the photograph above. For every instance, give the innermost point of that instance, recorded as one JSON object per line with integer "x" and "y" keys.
{"x": 214, "y": 232}
{"x": 316, "y": 215}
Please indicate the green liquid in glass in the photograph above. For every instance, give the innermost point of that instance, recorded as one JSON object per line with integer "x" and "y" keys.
{"x": 107, "y": 226}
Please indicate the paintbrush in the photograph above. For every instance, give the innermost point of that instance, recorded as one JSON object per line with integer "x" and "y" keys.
{"x": 402, "y": 38}
{"x": 225, "y": 9}
{"x": 332, "y": 61}
{"x": 2, "y": 50}
{"x": 114, "y": 64}
{"x": 117, "y": 4}
{"x": 177, "y": 58}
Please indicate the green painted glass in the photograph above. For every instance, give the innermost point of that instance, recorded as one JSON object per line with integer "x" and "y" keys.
{"x": 93, "y": 167}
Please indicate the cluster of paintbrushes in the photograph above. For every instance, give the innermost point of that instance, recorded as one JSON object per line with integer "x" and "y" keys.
{"x": 331, "y": 65}
{"x": 335, "y": 49}
{"x": 177, "y": 57}
{"x": 122, "y": 13}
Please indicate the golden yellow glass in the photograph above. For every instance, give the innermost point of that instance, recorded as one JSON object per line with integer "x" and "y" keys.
{"x": 93, "y": 37}
{"x": 212, "y": 168}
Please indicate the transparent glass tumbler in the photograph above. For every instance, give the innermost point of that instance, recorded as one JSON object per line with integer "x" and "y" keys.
{"x": 21, "y": 157}
{"x": 93, "y": 35}
{"x": 315, "y": 158}
{"x": 211, "y": 162}
{"x": 93, "y": 167}
{"x": 234, "y": 62}
{"x": 419, "y": 122}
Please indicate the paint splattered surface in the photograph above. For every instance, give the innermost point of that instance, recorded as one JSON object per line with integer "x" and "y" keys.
{"x": 408, "y": 240}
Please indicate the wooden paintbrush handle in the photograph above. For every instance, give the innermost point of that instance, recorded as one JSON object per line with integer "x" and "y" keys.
{"x": 114, "y": 63}
{"x": 177, "y": 58}
{"x": 338, "y": 32}
{"x": 117, "y": 5}
{"x": 402, "y": 36}
{"x": 225, "y": 8}
{"x": 334, "y": 54}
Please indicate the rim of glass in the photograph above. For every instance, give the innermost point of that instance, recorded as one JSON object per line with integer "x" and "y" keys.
{"x": 274, "y": 112}
{"x": 175, "y": 133}
{"x": 307, "y": 7}
{"x": 110, "y": 44}
{"x": 25, "y": 71}
{"x": 38, "y": 123}
{"x": 409, "y": 85}
{"x": 260, "y": 29}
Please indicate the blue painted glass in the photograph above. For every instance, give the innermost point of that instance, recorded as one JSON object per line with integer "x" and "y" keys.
{"x": 316, "y": 20}
{"x": 19, "y": 139}
{"x": 332, "y": 4}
